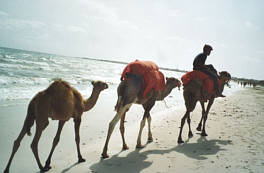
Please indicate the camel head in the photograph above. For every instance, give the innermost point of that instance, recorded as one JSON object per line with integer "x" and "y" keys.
{"x": 224, "y": 76}
{"x": 173, "y": 82}
{"x": 99, "y": 85}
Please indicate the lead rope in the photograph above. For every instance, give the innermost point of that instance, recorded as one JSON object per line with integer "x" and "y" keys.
{"x": 166, "y": 104}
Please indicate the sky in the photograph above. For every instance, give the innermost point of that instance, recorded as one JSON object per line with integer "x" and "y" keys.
{"x": 169, "y": 32}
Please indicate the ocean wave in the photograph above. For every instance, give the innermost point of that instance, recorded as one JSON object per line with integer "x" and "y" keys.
{"x": 22, "y": 81}
{"x": 24, "y": 73}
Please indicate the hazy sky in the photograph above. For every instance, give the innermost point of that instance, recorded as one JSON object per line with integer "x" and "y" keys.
{"x": 168, "y": 32}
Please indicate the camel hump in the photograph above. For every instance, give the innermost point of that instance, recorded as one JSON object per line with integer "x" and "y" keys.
{"x": 58, "y": 85}
{"x": 63, "y": 89}
{"x": 64, "y": 97}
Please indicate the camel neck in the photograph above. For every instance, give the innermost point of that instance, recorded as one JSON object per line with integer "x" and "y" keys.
{"x": 91, "y": 101}
{"x": 164, "y": 93}
{"x": 222, "y": 86}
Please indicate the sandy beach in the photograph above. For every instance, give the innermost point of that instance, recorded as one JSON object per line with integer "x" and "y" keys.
{"x": 235, "y": 141}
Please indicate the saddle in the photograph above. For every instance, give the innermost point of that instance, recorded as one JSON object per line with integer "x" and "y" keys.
{"x": 207, "y": 82}
{"x": 152, "y": 78}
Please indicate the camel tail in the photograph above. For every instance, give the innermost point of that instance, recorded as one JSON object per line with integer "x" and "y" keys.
{"x": 29, "y": 121}
{"x": 120, "y": 93}
{"x": 128, "y": 90}
{"x": 118, "y": 104}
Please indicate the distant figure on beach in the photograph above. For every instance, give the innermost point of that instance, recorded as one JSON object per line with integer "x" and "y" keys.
{"x": 197, "y": 86}
{"x": 60, "y": 102}
{"x": 245, "y": 84}
{"x": 141, "y": 83}
{"x": 199, "y": 64}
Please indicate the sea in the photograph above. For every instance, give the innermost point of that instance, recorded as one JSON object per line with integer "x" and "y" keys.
{"x": 25, "y": 73}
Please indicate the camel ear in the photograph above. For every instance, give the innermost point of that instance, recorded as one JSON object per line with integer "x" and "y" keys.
{"x": 92, "y": 82}
{"x": 167, "y": 78}
{"x": 220, "y": 73}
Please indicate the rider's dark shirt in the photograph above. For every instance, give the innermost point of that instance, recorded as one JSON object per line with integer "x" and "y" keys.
{"x": 199, "y": 61}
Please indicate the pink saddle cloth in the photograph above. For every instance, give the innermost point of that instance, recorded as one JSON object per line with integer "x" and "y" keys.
{"x": 152, "y": 77}
{"x": 208, "y": 83}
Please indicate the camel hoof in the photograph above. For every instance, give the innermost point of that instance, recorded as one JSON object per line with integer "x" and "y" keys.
{"x": 46, "y": 168}
{"x": 190, "y": 134}
{"x": 204, "y": 134}
{"x": 199, "y": 128}
{"x": 180, "y": 141}
{"x": 104, "y": 155}
{"x": 81, "y": 160}
{"x": 139, "y": 146}
{"x": 125, "y": 147}
{"x": 150, "y": 140}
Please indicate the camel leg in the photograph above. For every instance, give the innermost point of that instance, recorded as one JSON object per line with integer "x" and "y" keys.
{"x": 150, "y": 138}
{"x": 122, "y": 131}
{"x": 142, "y": 124}
{"x": 147, "y": 106}
{"x": 199, "y": 127}
{"x": 190, "y": 134}
{"x": 16, "y": 146}
{"x": 111, "y": 127}
{"x": 77, "y": 123}
{"x": 182, "y": 124}
{"x": 40, "y": 126}
{"x": 211, "y": 101}
{"x": 54, "y": 144}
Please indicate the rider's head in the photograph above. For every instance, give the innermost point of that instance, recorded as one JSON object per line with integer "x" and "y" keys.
{"x": 207, "y": 49}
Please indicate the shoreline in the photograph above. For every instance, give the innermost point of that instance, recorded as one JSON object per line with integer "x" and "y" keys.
{"x": 234, "y": 143}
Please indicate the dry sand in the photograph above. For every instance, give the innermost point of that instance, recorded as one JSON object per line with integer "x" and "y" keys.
{"x": 235, "y": 143}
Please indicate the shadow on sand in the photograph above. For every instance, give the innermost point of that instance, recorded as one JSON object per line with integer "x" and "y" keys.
{"x": 66, "y": 169}
{"x": 136, "y": 161}
{"x": 70, "y": 167}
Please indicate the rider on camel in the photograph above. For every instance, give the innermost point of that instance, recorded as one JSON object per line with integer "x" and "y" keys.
{"x": 199, "y": 64}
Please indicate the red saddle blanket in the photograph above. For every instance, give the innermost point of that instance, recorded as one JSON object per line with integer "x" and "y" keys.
{"x": 208, "y": 83}
{"x": 152, "y": 77}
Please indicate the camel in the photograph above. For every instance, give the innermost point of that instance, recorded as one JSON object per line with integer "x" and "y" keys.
{"x": 129, "y": 92}
{"x": 193, "y": 92}
{"x": 60, "y": 102}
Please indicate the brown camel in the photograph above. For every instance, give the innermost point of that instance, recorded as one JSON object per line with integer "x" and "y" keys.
{"x": 193, "y": 92}
{"x": 60, "y": 102}
{"x": 129, "y": 92}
